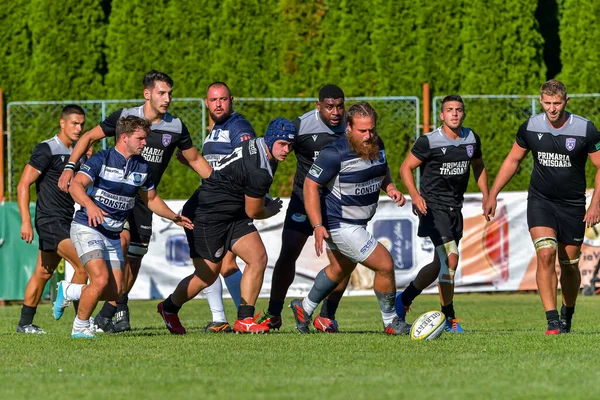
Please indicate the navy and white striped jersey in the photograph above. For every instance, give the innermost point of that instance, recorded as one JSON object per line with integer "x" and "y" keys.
{"x": 351, "y": 184}
{"x": 225, "y": 136}
{"x": 49, "y": 159}
{"x": 164, "y": 137}
{"x": 446, "y": 165}
{"x": 313, "y": 135}
{"x": 115, "y": 181}
{"x": 559, "y": 156}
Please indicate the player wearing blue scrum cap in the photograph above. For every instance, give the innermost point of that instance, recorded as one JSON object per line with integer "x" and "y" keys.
{"x": 222, "y": 209}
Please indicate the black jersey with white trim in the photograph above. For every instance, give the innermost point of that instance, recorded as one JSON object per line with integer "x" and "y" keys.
{"x": 49, "y": 159}
{"x": 559, "y": 156}
{"x": 164, "y": 137}
{"x": 446, "y": 165}
{"x": 247, "y": 171}
{"x": 313, "y": 135}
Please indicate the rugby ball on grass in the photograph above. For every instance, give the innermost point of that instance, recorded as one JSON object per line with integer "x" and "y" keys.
{"x": 428, "y": 326}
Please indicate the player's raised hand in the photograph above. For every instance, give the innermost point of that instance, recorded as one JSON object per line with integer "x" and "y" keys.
{"x": 397, "y": 197}
{"x": 183, "y": 221}
{"x": 27, "y": 232}
{"x": 320, "y": 234}
{"x": 95, "y": 215}
{"x": 419, "y": 205}
{"x": 65, "y": 180}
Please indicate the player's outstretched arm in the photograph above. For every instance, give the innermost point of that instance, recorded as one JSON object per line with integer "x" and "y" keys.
{"x": 196, "y": 162}
{"x": 406, "y": 174}
{"x": 29, "y": 176}
{"x": 592, "y": 215}
{"x": 507, "y": 171}
{"x": 78, "y": 193}
{"x": 312, "y": 204}
{"x": 160, "y": 208}
{"x": 81, "y": 148}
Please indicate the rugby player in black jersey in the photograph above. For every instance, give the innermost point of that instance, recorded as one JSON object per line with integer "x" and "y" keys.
{"x": 53, "y": 212}
{"x": 445, "y": 158}
{"x": 167, "y": 133}
{"x": 222, "y": 209}
{"x": 560, "y": 143}
{"x": 316, "y": 129}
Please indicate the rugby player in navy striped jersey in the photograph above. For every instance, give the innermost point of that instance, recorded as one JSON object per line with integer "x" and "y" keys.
{"x": 351, "y": 171}
{"x": 560, "y": 143}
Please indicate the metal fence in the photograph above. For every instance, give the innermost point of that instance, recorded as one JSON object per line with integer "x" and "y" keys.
{"x": 496, "y": 119}
{"x": 31, "y": 122}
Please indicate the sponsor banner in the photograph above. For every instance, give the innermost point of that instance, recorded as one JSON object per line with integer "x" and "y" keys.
{"x": 495, "y": 256}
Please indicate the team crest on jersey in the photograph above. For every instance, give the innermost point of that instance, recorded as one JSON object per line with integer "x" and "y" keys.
{"x": 166, "y": 139}
{"x": 137, "y": 178}
{"x": 570, "y": 144}
{"x": 470, "y": 150}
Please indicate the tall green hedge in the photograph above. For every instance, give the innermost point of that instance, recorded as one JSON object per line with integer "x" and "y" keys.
{"x": 91, "y": 49}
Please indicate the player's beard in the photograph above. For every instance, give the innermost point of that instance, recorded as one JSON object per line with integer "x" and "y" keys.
{"x": 367, "y": 150}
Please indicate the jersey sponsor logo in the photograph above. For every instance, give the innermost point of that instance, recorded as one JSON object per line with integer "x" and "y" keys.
{"x": 454, "y": 168}
{"x": 315, "y": 170}
{"x": 470, "y": 150}
{"x": 540, "y": 136}
{"x": 367, "y": 246}
{"x": 316, "y": 154}
{"x": 570, "y": 144}
{"x": 153, "y": 155}
{"x": 297, "y": 217}
{"x": 166, "y": 139}
{"x": 85, "y": 167}
{"x": 444, "y": 150}
{"x": 371, "y": 186}
{"x": 219, "y": 252}
{"x": 554, "y": 160}
{"x": 114, "y": 201}
{"x": 314, "y": 137}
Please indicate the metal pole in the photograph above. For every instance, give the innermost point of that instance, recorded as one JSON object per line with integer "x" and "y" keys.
{"x": 426, "y": 108}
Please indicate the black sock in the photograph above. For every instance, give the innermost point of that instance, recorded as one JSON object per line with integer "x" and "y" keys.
{"x": 27, "y": 314}
{"x": 566, "y": 313}
{"x": 329, "y": 308}
{"x": 76, "y": 306}
{"x": 409, "y": 294}
{"x": 552, "y": 315}
{"x": 322, "y": 287}
{"x": 448, "y": 311}
{"x": 275, "y": 308}
{"x": 170, "y": 307}
{"x": 122, "y": 303}
{"x": 245, "y": 311}
{"x": 108, "y": 310}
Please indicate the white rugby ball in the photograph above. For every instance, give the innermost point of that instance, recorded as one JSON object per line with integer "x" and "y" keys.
{"x": 428, "y": 326}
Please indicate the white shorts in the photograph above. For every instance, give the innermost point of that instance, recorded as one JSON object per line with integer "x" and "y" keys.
{"x": 353, "y": 241}
{"x": 91, "y": 244}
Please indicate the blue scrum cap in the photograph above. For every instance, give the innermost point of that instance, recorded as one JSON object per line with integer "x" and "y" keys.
{"x": 279, "y": 129}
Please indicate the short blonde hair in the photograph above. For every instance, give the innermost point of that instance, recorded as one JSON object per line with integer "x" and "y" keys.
{"x": 554, "y": 88}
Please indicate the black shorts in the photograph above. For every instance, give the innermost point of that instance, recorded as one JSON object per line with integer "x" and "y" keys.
{"x": 212, "y": 241}
{"x": 51, "y": 233}
{"x": 566, "y": 220}
{"x": 296, "y": 218}
{"x": 441, "y": 224}
{"x": 140, "y": 223}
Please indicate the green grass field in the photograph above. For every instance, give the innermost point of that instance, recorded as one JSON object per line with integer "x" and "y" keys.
{"x": 505, "y": 354}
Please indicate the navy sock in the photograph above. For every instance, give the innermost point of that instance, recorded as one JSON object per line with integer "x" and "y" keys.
{"x": 122, "y": 303}
{"x": 329, "y": 308}
{"x": 170, "y": 307}
{"x": 409, "y": 294}
{"x": 448, "y": 311}
{"x": 275, "y": 308}
{"x": 76, "y": 306}
{"x": 552, "y": 315}
{"x": 108, "y": 310}
{"x": 27, "y": 314}
{"x": 245, "y": 311}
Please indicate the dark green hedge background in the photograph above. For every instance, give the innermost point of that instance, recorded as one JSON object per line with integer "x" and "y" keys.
{"x": 100, "y": 49}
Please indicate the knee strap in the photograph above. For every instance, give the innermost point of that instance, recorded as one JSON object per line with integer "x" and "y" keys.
{"x": 446, "y": 275}
{"x": 544, "y": 243}
{"x": 137, "y": 250}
